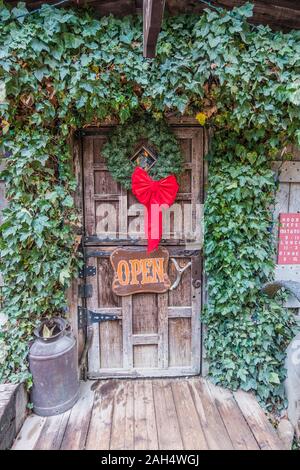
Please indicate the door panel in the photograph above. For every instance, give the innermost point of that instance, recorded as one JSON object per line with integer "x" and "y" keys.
{"x": 155, "y": 334}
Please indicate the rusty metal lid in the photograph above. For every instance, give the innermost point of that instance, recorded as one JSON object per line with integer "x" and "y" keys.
{"x": 61, "y": 327}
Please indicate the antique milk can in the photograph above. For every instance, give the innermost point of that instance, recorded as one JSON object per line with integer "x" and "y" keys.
{"x": 53, "y": 364}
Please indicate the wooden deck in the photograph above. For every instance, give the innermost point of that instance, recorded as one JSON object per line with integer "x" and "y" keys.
{"x": 155, "y": 414}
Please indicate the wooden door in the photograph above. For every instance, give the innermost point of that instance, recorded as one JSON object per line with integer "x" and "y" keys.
{"x": 155, "y": 334}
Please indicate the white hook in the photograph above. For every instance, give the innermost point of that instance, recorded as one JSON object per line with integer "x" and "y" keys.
{"x": 180, "y": 271}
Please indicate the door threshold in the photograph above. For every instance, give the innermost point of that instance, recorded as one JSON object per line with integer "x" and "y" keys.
{"x": 143, "y": 374}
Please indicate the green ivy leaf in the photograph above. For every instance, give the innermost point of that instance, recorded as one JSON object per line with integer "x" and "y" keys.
{"x": 274, "y": 378}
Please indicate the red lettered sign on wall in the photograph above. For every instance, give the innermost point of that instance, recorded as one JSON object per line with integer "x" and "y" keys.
{"x": 289, "y": 239}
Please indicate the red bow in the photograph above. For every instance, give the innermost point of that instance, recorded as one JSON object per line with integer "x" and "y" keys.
{"x": 154, "y": 195}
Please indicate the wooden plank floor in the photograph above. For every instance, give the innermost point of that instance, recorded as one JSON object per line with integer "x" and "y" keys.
{"x": 177, "y": 414}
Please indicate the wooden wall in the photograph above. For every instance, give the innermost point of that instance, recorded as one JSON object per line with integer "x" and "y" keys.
{"x": 278, "y": 14}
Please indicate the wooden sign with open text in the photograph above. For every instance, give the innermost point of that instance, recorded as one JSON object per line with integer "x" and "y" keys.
{"x": 136, "y": 271}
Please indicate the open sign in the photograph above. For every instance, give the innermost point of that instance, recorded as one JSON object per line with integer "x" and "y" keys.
{"x": 135, "y": 271}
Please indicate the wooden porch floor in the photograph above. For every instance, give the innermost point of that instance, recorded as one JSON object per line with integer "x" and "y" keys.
{"x": 153, "y": 414}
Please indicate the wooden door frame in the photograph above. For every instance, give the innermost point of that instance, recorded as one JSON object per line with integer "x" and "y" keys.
{"x": 73, "y": 298}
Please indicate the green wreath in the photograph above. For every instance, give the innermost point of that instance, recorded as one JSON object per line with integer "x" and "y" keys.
{"x": 126, "y": 141}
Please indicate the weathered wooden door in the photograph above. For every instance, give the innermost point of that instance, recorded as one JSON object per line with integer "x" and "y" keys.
{"x": 155, "y": 334}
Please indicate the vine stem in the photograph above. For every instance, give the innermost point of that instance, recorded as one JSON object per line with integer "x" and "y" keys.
{"x": 209, "y": 4}
{"x": 37, "y": 10}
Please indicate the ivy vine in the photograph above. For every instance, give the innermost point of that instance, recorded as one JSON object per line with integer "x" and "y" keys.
{"x": 246, "y": 347}
{"x": 62, "y": 70}
{"x": 122, "y": 145}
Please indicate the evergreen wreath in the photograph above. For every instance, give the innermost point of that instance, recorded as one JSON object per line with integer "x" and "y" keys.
{"x": 126, "y": 139}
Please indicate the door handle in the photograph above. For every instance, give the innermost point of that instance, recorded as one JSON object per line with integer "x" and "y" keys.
{"x": 180, "y": 271}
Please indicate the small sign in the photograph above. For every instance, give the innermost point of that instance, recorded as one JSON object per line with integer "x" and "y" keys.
{"x": 136, "y": 271}
{"x": 289, "y": 239}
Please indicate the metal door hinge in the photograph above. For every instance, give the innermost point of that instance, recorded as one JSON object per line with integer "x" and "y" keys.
{"x": 87, "y": 271}
{"x": 85, "y": 291}
{"x": 86, "y": 316}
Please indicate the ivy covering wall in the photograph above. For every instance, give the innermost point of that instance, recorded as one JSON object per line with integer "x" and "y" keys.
{"x": 64, "y": 69}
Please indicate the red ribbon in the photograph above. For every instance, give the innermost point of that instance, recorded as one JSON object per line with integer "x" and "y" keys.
{"x": 153, "y": 195}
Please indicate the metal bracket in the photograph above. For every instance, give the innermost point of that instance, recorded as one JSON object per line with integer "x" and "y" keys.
{"x": 87, "y": 271}
{"x": 85, "y": 291}
{"x": 197, "y": 272}
{"x": 86, "y": 316}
